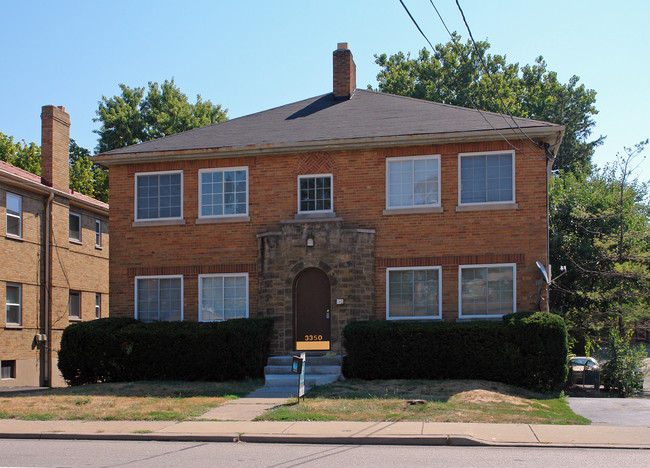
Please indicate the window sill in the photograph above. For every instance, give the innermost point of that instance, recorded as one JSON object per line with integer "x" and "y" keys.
{"x": 166, "y": 222}
{"x": 10, "y": 326}
{"x": 415, "y": 319}
{"x": 481, "y": 317}
{"x": 99, "y": 247}
{"x": 74, "y": 319}
{"x": 75, "y": 241}
{"x": 223, "y": 219}
{"x": 15, "y": 238}
{"x": 412, "y": 210}
{"x": 488, "y": 206}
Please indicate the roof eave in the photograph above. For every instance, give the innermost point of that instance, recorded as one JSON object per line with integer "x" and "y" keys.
{"x": 26, "y": 184}
{"x": 551, "y": 134}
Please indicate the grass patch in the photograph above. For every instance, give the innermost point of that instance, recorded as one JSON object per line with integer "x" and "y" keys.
{"x": 147, "y": 401}
{"x": 446, "y": 401}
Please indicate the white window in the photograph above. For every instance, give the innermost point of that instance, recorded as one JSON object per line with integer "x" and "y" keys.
{"x": 223, "y": 297}
{"x": 98, "y": 305}
{"x": 74, "y": 305}
{"x": 14, "y": 215}
{"x": 487, "y": 177}
{"x": 487, "y": 290}
{"x": 159, "y": 196}
{"x": 315, "y": 193}
{"x": 223, "y": 192}
{"x": 8, "y": 369}
{"x": 75, "y": 227}
{"x": 413, "y": 293}
{"x": 413, "y": 182}
{"x": 14, "y": 304}
{"x": 159, "y": 298}
{"x": 98, "y": 233}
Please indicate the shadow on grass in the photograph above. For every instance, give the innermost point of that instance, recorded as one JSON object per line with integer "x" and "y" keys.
{"x": 157, "y": 389}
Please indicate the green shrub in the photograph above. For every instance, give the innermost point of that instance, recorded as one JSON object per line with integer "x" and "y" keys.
{"x": 623, "y": 372}
{"x": 120, "y": 349}
{"x": 528, "y": 350}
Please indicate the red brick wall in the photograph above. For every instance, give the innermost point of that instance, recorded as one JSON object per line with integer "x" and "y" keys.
{"x": 448, "y": 238}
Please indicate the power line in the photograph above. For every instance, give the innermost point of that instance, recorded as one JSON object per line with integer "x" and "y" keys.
{"x": 453, "y": 40}
{"x": 488, "y": 72}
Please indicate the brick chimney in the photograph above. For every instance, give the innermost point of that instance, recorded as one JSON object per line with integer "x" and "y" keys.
{"x": 345, "y": 72}
{"x": 55, "y": 147}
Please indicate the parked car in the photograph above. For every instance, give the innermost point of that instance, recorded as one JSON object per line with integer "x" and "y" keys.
{"x": 584, "y": 371}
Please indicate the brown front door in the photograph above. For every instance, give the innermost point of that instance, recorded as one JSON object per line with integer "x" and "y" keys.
{"x": 311, "y": 299}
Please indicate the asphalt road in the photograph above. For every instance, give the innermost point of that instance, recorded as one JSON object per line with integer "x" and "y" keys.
{"x": 45, "y": 453}
{"x": 613, "y": 411}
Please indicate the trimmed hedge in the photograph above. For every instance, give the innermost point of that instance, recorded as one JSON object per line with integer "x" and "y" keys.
{"x": 122, "y": 349}
{"x": 527, "y": 350}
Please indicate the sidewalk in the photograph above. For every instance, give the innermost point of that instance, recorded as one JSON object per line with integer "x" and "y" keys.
{"x": 335, "y": 432}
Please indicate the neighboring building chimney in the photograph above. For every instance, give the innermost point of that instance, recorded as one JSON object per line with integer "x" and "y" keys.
{"x": 55, "y": 147}
{"x": 345, "y": 72}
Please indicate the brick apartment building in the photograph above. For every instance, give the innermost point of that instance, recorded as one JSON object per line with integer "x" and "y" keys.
{"x": 347, "y": 206}
{"x": 54, "y": 259}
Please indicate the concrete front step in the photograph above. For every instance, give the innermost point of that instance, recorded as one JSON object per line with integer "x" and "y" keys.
{"x": 289, "y": 380}
{"x": 311, "y": 369}
{"x": 320, "y": 370}
{"x": 311, "y": 360}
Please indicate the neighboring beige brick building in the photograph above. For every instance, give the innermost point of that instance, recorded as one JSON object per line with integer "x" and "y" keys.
{"x": 347, "y": 206}
{"x": 53, "y": 259}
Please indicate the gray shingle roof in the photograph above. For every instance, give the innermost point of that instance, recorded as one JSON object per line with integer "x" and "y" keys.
{"x": 367, "y": 114}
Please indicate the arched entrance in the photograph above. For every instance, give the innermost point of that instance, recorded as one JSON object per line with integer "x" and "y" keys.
{"x": 311, "y": 303}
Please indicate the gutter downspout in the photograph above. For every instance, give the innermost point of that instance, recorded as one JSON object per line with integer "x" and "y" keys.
{"x": 47, "y": 315}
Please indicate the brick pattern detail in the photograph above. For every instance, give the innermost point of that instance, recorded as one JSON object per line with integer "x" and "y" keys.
{"x": 55, "y": 147}
{"x": 315, "y": 163}
{"x": 193, "y": 271}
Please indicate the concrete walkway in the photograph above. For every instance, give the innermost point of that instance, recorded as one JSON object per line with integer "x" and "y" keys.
{"x": 242, "y": 409}
{"x": 336, "y": 432}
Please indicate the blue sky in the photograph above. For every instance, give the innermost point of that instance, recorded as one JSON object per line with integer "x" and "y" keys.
{"x": 252, "y": 55}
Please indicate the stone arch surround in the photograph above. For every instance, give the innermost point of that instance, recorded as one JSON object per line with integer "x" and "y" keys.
{"x": 345, "y": 254}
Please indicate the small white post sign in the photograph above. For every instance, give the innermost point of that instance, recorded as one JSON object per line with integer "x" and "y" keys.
{"x": 298, "y": 366}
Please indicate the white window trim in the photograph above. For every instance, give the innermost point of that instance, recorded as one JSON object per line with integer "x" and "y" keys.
{"x": 20, "y": 305}
{"x": 412, "y": 207}
{"x": 221, "y": 275}
{"x": 421, "y": 317}
{"x": 98, "y": 235}
{"x": 98, "y": 306}
{"x": 135, "y": 196}
{"x": 486, "y": 265}
{"x": 74, "y": 239}
{"x": 70, "y": 316}
{"x": 486, "y": 153}
{"x": 20, "y": 215}
{"x": 312, "y": 176}
{"x": 222, "y": 169}
{"x": 137, "y": 278}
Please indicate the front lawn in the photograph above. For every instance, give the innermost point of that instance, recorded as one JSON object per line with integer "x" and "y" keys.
{"x": 445, "y": 401}
{"x": 153, "y": 401}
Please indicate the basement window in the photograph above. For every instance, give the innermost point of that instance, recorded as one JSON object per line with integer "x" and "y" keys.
{"x": 8, "y": 369}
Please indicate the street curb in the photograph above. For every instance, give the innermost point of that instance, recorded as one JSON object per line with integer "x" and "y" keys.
{"x": 451, "y": 441}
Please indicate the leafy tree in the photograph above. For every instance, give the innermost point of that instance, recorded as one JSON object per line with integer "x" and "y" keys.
{"x": 600, "y": 229}
{"x": 20, "y": 154}
{"x": 454, "y": 74}
{"x": 624, "y": 370}
{"x": 85, "y": 177}
{"x": 133, "y": 117}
